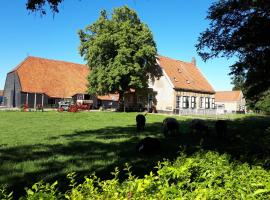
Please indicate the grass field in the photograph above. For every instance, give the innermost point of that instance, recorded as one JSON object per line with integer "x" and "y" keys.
{"x": 49, "y": 145}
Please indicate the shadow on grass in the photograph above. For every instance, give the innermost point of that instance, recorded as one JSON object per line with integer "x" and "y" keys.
{"x": 102, "y": 150}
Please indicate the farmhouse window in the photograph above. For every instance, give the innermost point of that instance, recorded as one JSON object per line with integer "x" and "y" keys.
{"x": 201, "y": 102}
{"x": 193, "y": 102}
{"x": 207, "y": 102}
{"x": 213, "y": 103}
{"x": 185, "y": 102}
{"x": 177, "y": 101}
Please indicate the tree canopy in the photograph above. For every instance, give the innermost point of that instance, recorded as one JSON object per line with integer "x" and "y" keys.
{"x": 120, "y": 52}
{"x": 238, "y": 82}
{"x": 241, "y": 28}
{"x": 38, "y": 5}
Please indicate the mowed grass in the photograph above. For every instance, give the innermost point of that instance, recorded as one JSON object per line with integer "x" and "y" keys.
{"x": 49, "y": 145}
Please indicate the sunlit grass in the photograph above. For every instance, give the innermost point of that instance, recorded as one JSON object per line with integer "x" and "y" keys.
{"x": 48, "y": 145}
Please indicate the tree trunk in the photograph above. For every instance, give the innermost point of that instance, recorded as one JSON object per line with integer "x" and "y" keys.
{"x": 122, "y": 101}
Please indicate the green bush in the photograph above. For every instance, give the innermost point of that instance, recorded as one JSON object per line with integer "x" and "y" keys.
{"x": 264, "y": 103}
{"x": 205, "y": 175}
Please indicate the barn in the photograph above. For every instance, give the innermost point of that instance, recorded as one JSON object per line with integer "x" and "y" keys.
{"x": 40, "y": 81}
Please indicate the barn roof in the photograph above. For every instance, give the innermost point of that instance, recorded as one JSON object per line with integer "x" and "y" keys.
{"x": 61, "y": 79}
{"x": 52, "y": 77}
{"x": 184, "y": 75}
{"x": 225, "y": 96}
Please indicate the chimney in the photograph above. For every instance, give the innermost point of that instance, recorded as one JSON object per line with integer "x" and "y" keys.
{"x": 193, "y": 61}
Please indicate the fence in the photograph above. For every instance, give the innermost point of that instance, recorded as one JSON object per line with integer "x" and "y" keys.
{"x": 195, "y": 111}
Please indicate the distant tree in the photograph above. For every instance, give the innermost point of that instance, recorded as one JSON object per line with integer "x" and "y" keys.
{"x": 120, "y": 52}
{"x": 38, "y": 5}
{"x": 241, "y": 28}
{"x": 238, "y": 82}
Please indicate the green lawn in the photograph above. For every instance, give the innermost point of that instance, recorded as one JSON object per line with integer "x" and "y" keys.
{"x": 49, "y": 145}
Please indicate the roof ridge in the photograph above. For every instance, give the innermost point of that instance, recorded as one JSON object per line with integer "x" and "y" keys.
{"x": 36, "y": 57}
{"x": 42, "y": 58}
{"x": 229, "y": 91}
{"x": 19, "y": 65}
{"x": 174, "y": 59}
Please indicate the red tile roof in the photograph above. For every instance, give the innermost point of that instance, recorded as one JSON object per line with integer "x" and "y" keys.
{"x": 64, "y": 79}
{"x": 184, "y": 75}
{"x": 109, "y": 97}
{"x": 54, "y": 78}
{"x": 225, "y": 96}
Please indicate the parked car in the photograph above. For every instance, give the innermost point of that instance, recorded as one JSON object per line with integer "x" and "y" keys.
{"x": 64, "y": 105}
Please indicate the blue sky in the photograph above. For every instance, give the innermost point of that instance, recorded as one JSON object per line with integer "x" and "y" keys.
{"x": 175, "y": 24}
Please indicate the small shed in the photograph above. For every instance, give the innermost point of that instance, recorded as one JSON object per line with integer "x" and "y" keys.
{"x": 230, "y": 102}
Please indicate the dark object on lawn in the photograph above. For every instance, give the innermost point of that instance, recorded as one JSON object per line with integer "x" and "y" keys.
{"x": 170, "y": 127}
{"x": 198, "y": 127}
{"x": 140, "y": 120}
{"x": 148, "y": 146}
{"x": 221, "y": 128}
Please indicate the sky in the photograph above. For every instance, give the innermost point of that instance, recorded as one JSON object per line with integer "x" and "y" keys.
{"x": 176, "y": 26}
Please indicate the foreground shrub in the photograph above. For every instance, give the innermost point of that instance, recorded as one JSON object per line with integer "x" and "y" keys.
{"x": 205, "y": 175}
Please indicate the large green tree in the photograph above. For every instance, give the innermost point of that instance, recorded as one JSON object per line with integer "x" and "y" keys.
{"x": 120, "y": 52}
{"x": 241, "y": 28}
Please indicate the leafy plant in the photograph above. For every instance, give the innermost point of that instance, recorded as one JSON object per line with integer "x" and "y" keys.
{"x": 205, "y": 175}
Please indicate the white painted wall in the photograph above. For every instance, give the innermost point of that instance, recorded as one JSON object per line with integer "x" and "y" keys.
{"x": 165, "y": 93}
{"x": 226, "y": 107}
{"x": 231, "y": 106}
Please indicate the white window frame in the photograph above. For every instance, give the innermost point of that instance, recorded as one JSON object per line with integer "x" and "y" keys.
{"x": 178, "y": 102}
{"x": 201, "y": 102}
{"x": 185, "y": 102}
{"x": 207, "y": 102}
{"x": 193, "y": 102}
{"x": 213, "y": 103}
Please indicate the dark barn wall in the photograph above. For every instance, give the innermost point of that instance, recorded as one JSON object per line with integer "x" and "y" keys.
{"x": 52, "y": 103}
{"x": 12, "y": 90}
{"x": 108, "y": 104}
{"x": 31, "y": 99}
